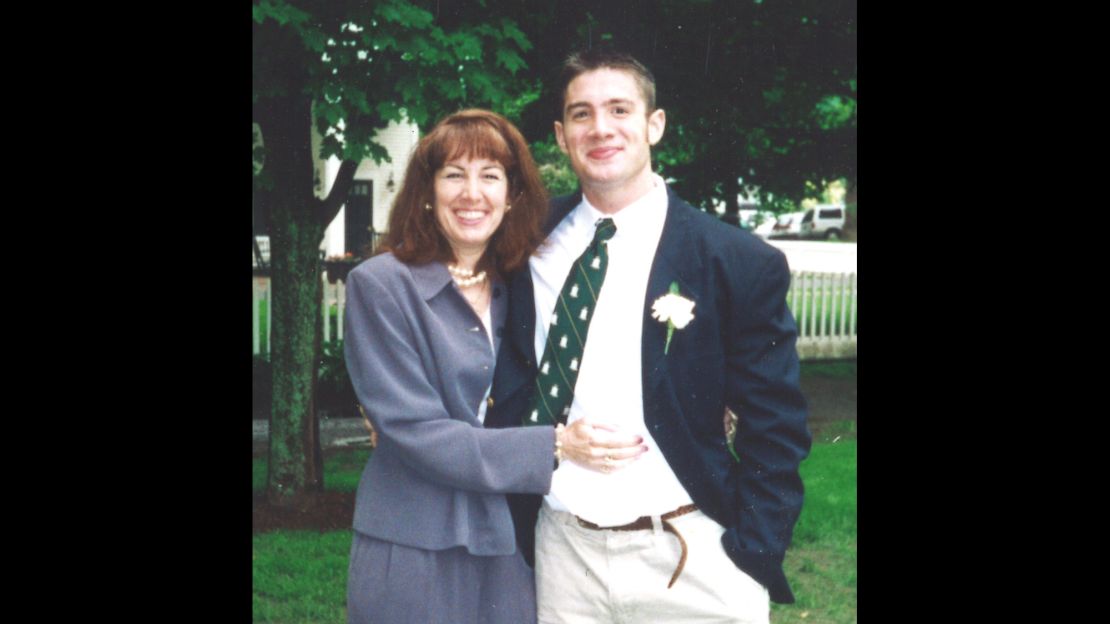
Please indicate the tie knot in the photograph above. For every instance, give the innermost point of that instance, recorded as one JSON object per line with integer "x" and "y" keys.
{"x": 605, "y": 230}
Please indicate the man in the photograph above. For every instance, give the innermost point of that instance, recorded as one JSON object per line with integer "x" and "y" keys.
{"x": 684, "y": 532}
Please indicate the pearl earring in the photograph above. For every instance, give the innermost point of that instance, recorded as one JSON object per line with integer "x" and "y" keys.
{"x": 427, "y": 206}
{"x": 508, "y": 207}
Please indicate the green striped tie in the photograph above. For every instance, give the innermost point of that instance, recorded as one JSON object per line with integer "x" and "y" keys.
{"x": 566, "y": 335}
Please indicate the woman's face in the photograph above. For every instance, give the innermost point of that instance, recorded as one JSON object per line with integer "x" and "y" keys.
{"x": 470, "y": 202}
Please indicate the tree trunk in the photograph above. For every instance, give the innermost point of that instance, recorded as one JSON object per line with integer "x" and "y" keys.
{"x": 295, "y": 466}
{"x": 294, "y": 439}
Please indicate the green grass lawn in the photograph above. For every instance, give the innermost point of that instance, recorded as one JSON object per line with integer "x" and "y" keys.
{"x": 263, "y": 337}
{"x": 300, "y": 576}
{"x": 840, "y": 369}
{"x": 821, "y": 561}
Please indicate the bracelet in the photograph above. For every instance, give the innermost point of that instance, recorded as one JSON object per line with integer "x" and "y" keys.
{"x": 559, "y": 443}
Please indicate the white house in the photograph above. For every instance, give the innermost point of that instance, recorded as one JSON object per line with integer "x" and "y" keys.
{"x": 372, "y": 193}
{"x": 371, "y": 197}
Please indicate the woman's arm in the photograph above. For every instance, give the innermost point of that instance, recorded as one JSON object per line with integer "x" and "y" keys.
{"x": 409, "y": 415}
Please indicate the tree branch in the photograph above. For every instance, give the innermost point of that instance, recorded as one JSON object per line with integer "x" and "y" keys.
{"x": 344, "y": 178}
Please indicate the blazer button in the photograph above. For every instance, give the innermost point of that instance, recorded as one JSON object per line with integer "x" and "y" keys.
{"x": 489, "y": 402}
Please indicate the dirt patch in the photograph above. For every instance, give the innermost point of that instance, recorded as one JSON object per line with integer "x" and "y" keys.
{"x": 333, "y": 511}
{"x": 830, "y": 398}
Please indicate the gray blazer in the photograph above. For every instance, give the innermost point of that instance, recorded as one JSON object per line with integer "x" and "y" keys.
{"x": 420, "y": 362}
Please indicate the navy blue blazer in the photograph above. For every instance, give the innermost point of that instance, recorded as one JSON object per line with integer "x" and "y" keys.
{"x": 739, "y": 351}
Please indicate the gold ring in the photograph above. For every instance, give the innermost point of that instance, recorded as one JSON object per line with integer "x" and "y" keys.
{"x": 609, "y": 459}
{"x": 605, "y": 469}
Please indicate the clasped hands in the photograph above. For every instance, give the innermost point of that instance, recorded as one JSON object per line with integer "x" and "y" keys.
{"x": 598, "y": 446}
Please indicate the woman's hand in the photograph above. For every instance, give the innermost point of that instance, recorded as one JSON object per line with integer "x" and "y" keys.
{"x": 598, "y": 446}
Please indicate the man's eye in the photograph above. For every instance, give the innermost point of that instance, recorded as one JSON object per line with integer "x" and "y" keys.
{"x": 620, "y": 110}
{"x": 578, "y": 115}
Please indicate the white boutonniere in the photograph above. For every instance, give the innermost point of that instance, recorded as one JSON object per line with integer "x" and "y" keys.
{"x": 674, "y": 310}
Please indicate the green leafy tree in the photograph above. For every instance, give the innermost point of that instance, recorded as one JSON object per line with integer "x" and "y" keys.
{"x": 349, "y": 67}
{"x": 763, "y": 90}
{"x": 555, "y": 172}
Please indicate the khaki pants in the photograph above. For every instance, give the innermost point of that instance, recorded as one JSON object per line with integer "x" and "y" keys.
{"x": 590, "y": 576}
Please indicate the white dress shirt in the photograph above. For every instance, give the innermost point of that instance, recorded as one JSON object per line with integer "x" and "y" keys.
{"x": 609, "y": 386}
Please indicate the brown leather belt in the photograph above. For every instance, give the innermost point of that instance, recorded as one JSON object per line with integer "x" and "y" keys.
{"x": 644, "y": 522}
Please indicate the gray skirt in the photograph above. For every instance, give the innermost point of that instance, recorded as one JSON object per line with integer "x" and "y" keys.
{"x": 392, "y": 584}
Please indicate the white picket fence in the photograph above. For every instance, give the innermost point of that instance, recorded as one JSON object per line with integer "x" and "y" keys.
{"x": 823, "y": 304}
{"x": 824, "y": 307}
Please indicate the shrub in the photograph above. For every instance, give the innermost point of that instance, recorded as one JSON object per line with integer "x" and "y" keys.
{"x": 334, "y": 392}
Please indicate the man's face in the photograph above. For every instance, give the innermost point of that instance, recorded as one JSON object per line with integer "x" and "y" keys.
{"x": 606, "y": 131}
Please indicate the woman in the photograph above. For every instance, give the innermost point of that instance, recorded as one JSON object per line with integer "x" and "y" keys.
{"x": 433, "y": 539}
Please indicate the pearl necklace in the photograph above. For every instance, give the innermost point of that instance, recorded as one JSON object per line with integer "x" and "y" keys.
{"x": 465, "y": 277}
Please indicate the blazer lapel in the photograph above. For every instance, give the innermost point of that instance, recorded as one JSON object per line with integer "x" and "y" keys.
{"x": 674, "y": 263}
{"x": 499, "y": 308}
{"x": 522, "y": 317}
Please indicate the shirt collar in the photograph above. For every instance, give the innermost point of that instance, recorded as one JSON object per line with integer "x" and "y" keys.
{"x": 632, "y": 217}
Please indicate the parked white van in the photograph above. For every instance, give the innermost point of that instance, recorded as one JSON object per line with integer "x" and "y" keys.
{"x": 824, "y": 221}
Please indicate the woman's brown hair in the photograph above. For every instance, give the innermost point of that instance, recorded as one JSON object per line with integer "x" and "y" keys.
{"x": 414, "y": 236}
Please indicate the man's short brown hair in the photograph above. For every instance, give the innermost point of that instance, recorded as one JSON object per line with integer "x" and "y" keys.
{"x": 595, "y": 58}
